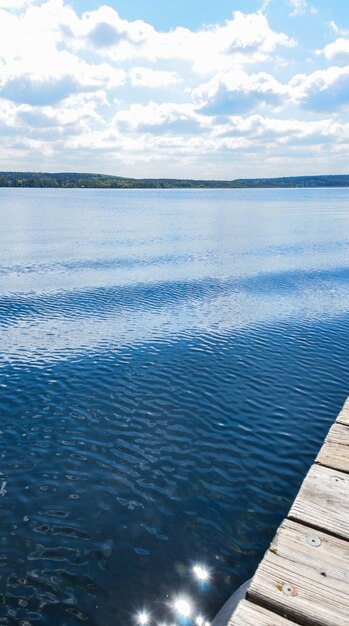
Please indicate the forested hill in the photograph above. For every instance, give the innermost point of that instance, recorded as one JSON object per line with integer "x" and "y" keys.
{"x": 68, "y": 180}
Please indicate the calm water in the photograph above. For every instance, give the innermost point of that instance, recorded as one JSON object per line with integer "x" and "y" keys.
{"x": 170, "y": 363}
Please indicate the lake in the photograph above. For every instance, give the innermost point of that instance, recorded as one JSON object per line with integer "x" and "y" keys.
{"x": 170, "y": 363}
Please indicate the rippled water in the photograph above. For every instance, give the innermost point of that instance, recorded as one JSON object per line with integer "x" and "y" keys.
{"x": 170, "y": 363}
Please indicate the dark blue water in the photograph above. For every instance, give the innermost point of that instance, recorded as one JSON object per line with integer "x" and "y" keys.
{"x": 170, "y": 363}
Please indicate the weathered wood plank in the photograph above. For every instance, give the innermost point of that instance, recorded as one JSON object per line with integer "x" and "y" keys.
{"x": 330, "y": 555}
{"x": 248, "y": 614}
{"x": 334, "y": 455}
{"x": 304, "y": 576}
{"x": 335, "y": 451}
{"x": 338, "y": 433}
{"x": 323, "y": 501}
{"x": 343, "y": 416}
{"x": 308, "y": 606}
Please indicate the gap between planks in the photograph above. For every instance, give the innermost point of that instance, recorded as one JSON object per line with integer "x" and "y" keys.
{"x": 304, "y": 576}
{"x": 248, "y": 614}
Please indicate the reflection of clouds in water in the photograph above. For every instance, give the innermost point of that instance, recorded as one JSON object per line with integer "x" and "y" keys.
{"x": 32, "y": 338}
{"x": 138, "y": 266}
{"x": 212, "y": 264}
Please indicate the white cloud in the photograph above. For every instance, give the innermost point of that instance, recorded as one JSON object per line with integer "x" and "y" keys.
{"x": 75, "y": 88}
{"x": 286, "y": 131}
{"x": 51, "y": 83}
{"x": 260, "y": 140}
{"x": 236, "y": 91}
{"x": 323, "y": 90}
{"x": 49, "y": 53}
{"x": 34, "y": 69}
{"x": 145, "y": 138}
{"x": 147, "y": 77}
{"x": 337, "y": 29}
{"x": 265, "y": 5}
{"x": 8, "y": 113}
{"x": 298, "y": 6}
{"x": 164, "y": 118}
{"x": 337, "y": 51}
{"x": 15, "y": 4}
{"x": 245, "y": 38}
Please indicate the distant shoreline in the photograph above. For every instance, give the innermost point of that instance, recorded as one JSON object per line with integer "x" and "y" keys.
{"x": 69, "y": 180}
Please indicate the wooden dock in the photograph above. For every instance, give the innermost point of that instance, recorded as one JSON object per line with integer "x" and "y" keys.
{"x": 303, "y": 578}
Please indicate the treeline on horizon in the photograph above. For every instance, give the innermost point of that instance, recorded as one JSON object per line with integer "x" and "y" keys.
{"x": 101, "y": 181}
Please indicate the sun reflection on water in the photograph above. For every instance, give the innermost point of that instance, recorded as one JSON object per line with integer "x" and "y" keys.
{"x": 182, "y": 605}
{"x": 201, "y": 573}
{"x": 143, "y": 618}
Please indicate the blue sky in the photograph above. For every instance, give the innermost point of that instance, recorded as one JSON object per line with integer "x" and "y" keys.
{"x": 195, "y": 89}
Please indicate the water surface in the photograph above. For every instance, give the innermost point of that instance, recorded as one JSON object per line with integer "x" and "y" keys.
{"x": 170, "y": 362}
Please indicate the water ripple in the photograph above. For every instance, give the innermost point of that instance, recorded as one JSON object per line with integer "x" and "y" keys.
{"x": 153, "y": 424}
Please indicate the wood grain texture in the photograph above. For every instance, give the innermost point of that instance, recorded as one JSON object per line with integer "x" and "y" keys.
{"x": 343, "y": 416}
{"x": 304, "y": 576}
{"x": 248, "y": 614}
{"x": 328, "y": 555}
{"x": 334, "y": 455}
{"x": 335, "y": 451}
{"x": 323, "y": 501}
{"x": 309, "y": 605}
{"x": 338, "y": 433}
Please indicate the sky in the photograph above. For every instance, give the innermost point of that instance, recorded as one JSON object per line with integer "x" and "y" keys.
{"x": 180, "y": 89}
